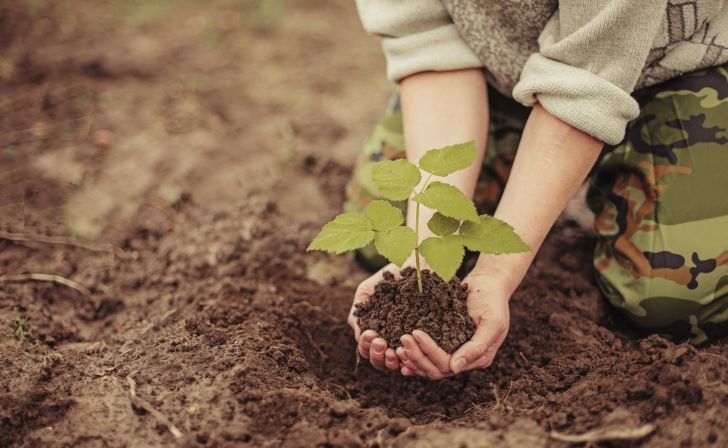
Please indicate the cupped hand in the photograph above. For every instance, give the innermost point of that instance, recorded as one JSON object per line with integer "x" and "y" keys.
{"x": 487, "y": 303}
{"x": 369, "y": 345}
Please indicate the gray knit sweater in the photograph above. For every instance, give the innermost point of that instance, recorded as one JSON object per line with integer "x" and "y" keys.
{"x": 580, "y": 59}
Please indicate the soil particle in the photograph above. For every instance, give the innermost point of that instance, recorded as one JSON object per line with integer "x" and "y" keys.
{"x": 397, "y": 308}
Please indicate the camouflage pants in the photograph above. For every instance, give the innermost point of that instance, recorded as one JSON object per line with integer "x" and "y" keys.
{"x": 660, "y": 199}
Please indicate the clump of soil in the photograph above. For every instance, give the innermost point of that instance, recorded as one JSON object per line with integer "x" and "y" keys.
{"x": 397, "y": 308}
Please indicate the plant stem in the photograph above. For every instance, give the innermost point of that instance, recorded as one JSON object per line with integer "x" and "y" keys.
{"x": 417, "y": 235}
{"x": 417, "y": 249}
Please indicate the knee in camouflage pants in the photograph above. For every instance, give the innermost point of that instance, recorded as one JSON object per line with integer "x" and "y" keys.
{"x": 660, "y": 199}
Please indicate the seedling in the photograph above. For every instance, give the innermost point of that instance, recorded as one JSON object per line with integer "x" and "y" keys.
{"x": 456, "y": 222}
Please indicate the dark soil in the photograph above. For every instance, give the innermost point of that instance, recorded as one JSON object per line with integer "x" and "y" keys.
{"x": 233, "y": 134}
{"x": 397, "y": 308}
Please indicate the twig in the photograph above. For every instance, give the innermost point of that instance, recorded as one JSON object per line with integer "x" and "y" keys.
{"x": 607, "y": 433}
{"x": 339, "y": 386}
{"x": 144, "y": 404}
{"x": 315, "y": 346}
{"x": 714, "y": 355}
{"x": 523, "y": 357}
{"x": 55, "y": 240}
{"x": 37, "y": 277}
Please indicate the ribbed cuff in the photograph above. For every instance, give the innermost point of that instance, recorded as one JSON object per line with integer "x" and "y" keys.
{"x": 438, "y": 49}
{"x": 576, "y": 96}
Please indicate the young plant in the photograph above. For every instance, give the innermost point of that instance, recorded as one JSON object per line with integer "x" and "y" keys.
{"x": 456, "y": 222}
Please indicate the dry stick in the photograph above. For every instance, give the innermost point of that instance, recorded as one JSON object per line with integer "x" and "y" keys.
{"x": 607, "y": 433}
{"x": 714, "y": 355}
{"x": 21, "y": 131}
{"x": 37, "y": 277}
{"x": 59, "y": 241}
{"x": 315, "y": 346}
{"x": 523, "y": 357}
{"x": 342, "y": 388}
{"x": 144, "y": 404}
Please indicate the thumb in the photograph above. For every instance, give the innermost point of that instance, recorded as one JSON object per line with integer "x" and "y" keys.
{"x": 483, "y": 344}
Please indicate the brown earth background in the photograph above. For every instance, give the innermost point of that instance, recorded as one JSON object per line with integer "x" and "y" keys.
{"x": 172, "y": 159}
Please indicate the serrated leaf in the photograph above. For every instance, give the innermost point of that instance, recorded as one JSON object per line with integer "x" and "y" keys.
{"x": 491, "y": 236}
{"x": 447, "y": 160}
{"x": 395, "y": 179}
{"x": 396, "y": 244}
{"x": 348, "y": 231}
{"x": 384, "y": 215}
{"x": 449, "y": 201}
{"x": 442, "y": 225}
{"x": 443, "y": 254}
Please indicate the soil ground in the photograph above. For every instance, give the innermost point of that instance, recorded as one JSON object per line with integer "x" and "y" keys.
{"x": 197, "y": 147}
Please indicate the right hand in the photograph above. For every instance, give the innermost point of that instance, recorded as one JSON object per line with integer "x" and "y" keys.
{"x": 369, "y": 345}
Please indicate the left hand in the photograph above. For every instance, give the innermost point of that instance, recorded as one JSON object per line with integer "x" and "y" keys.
{"x": 488, "y": 296}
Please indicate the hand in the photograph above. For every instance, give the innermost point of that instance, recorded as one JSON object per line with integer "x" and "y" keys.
{"x": 488, "y": 295}
{"x": 369, "y": 345}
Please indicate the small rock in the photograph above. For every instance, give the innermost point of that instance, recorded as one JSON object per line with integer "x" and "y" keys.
{"x": 103, "y": 139}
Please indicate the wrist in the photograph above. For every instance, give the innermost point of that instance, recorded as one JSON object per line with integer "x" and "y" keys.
{"x": 507, "y": 269}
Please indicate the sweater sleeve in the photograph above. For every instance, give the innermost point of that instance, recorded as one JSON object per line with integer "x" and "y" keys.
{"x": 591, "y": 54}
{"x": 417, "y": 36}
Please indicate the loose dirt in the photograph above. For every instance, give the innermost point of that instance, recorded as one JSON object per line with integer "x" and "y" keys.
{"x": 397, "y": 308}
{"x": 228, "y": 133}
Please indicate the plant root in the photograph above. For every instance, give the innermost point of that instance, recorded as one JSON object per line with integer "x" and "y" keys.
{"x": 139, "y": 402}
{"x": 358, "y": 359}
{"x": 38, "y": 277}
{"x": 607, "y": 433}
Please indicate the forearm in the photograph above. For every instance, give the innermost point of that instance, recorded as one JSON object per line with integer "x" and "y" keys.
{"x": 552, "y": 162}
{"x": 441, "y": 109}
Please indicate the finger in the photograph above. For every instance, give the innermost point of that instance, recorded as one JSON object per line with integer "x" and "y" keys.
{"x": 409, "y": 371}
{"x": 484, "y": 344}
{"x": 401, "y": 354}
{"x": 419, "y": 359}
{"x": 429, "y": 347}
{"x": 352, "y": 321}
{"x": 404, "y": 360}
{"x": 391, "y": 362}
{"x": 365, "y": 342}
{"x": 376, "y": 353}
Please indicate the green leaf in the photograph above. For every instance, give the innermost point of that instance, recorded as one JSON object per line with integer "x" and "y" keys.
{"x": 395, "y": 178}
{"x": 348, "y": 231}
{"x": 443, "y": 161}
{"x": 442, "y": 225}
{"x": 491, "y": 236}
{"x": 396, "y": 244}
{"x": 443, "y": 254}
{"x": 449, "y": 201}
{"x": 384, "y": 215}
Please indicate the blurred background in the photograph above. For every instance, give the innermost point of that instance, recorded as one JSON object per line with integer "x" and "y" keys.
{"x": 111, "y": 109}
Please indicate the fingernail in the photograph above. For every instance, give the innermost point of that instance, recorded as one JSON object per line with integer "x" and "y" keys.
{"x": 459, "y": 365}
{"x": 407, "y": 344}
